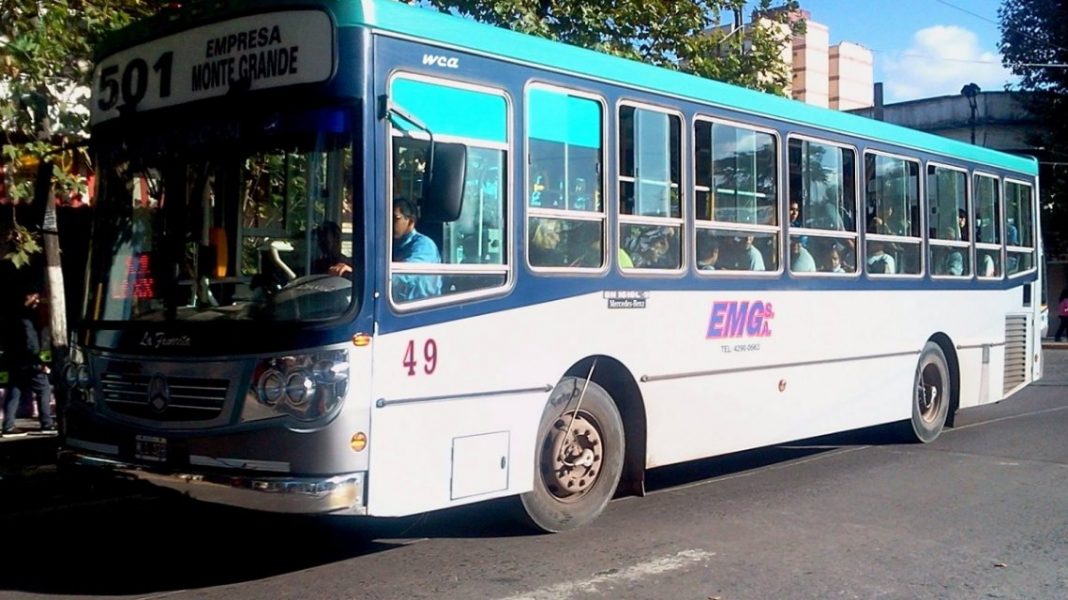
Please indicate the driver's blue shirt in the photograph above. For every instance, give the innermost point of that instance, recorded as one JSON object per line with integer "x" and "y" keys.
{"x": 415, "y": 247}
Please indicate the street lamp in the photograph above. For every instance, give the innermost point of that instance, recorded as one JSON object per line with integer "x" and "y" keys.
{"x": 971, "y": 91}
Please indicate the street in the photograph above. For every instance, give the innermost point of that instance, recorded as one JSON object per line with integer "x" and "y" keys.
{"x": 980, "y": 513}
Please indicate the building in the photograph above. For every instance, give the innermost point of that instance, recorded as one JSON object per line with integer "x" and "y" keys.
{"x": 839, "y": 76}
{"x": 1002, "y": 121}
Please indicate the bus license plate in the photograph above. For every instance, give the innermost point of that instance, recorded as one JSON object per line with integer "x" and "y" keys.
{"x": 148, "y": 447}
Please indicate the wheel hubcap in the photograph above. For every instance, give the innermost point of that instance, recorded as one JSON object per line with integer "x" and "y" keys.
{"x": 575, "y": 457}
{"x": 929, "y": 393}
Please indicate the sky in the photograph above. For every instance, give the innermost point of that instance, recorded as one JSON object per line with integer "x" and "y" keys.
{"x": 921, "y": 48}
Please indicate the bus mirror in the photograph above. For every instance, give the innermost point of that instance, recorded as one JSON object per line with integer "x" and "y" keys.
{"x": 443, "y": 192}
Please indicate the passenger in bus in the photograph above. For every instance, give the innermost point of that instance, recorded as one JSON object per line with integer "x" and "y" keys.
{"x": 545, "y": 248}
{"x": 754, "y": 260}
{"x": 583, "y": 247}
{"x": 962, "y": 223}
{"x": 953, "y": 262}
{"x": 580, "y": 196}
{"x": 652, "y": 247}
{"x": 1012, "y": 234}
{"x": 707, "y": 252}
{"x": 879, "y": 261}
{"x": 801, "y": 260}
{"x": 795, "y": 214}
{"x": 654, "y": 254}
{"x": 987, "y": 268}
{"x": 834, "y": 260}
{"x": 411, "y": 246}
{"x": 331, "y": 260}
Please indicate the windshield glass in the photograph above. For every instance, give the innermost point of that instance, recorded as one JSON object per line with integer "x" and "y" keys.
{"x": 250, "y": 220}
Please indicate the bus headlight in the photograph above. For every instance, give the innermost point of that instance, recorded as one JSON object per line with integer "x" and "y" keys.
{"x": 306, "y": 387}
{"x": 300, "y": 388}
{"x": 76, "y": 377}
{"x": 70, "y": 375}
{"x": 84, "y": 379}
{"x": 271, "y": 387}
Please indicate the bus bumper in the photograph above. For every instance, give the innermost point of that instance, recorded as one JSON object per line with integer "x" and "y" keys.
{"x": 336, "y": 495}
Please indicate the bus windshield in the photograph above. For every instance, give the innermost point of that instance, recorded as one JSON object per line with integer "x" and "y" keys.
{"x": 251, "y": 220}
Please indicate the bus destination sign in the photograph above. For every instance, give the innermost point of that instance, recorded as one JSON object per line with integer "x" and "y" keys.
{"x": 260, "y": 51}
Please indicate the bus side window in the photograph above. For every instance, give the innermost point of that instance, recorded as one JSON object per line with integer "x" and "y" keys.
{"x": 566, "y": 218}
{"x": 476, "y": 237}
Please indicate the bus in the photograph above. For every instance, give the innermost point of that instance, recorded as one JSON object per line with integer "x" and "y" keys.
{"x": 362, "y": 258}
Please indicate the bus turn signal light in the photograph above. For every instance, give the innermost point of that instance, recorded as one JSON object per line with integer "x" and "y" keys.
{"x": 359, "y": 441}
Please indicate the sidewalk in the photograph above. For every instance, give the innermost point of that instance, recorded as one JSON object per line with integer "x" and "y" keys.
{"x": 35, "y": 448}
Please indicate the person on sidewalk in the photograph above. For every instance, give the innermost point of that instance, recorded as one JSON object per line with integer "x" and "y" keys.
{"x": 1062, "y": 310}
{"x": 28, "y": 345}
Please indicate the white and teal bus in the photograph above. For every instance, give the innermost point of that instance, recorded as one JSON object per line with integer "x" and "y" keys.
{"x": 613, "y": 267}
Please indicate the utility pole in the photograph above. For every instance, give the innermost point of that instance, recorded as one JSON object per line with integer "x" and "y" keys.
{"x": 53, "y": 266}
{"x": 971, "y": 91}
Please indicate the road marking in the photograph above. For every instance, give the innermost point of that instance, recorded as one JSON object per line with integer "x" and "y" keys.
{"x": 656, "y": 566}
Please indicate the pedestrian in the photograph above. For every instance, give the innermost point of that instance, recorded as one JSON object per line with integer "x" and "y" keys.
{"x": 1062, "y": 310}
{"x": 28, "y": 352}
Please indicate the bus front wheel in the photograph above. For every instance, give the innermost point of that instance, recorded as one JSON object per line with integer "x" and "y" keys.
{"x": 931, "y": 395}
{"x": 579, "y": 457}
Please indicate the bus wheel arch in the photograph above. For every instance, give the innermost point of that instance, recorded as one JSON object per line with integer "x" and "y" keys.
{"x": 952, "y": 361}
{"x": 621, "y": 385}
{"x": 582, "y": 447}
{"x": 931, "y": 395}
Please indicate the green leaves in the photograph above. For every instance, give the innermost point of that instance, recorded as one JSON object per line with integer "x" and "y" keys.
{"x": 689, "y": 35}
{"x": 18, "y": 245}
{"x": 1034, "y": 45}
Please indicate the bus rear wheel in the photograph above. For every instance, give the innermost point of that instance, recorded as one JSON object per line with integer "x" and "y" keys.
{"x": 579, "y": 457}
{"x": 931, "y": 395}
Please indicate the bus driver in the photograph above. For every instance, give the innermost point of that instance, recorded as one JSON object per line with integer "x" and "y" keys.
{"x": 411, "y": 246}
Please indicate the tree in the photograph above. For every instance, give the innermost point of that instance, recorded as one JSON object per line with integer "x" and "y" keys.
{"x": 689, "y": 35}
{"x": 45, "y": 67}
{"x": 1034, "y": 45}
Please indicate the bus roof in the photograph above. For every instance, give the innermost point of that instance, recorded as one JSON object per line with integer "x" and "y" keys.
{"x": 468, "y": 35}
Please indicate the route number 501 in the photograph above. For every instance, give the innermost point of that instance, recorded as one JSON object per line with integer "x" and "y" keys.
{"x": 131, "y": 84}
{"x": 430, "y": 357}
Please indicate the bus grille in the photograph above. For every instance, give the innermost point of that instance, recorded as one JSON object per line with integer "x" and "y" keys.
{"x": 185, "y": 398}
{"x": 1015, "y": 352}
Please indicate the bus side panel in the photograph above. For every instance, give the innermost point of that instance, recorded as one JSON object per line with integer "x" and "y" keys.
{"x": 456, "y": 409}
{"x": 809, "y": 368}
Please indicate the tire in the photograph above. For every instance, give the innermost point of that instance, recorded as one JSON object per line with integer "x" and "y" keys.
{"x": 931, "y": 395}
{"x": 573, "y": 483}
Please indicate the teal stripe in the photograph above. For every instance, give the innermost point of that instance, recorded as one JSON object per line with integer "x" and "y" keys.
{"x": 566, "y": 119}
{"x": 453, "y": 111}
{"x": 465, "y": 34}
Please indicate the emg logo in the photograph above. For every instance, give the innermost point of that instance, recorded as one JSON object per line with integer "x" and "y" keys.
{"x": 735, "y": 318}
{"x": 444, "y": 62}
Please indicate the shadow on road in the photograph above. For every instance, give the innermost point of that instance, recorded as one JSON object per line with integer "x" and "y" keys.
{"x": 719, "y": 466}
{"x": 143, "y": 541}
{"x": 133, "y": 539}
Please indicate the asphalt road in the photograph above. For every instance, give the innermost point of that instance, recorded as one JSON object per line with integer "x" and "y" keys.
{"x": 981, "y": 513}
